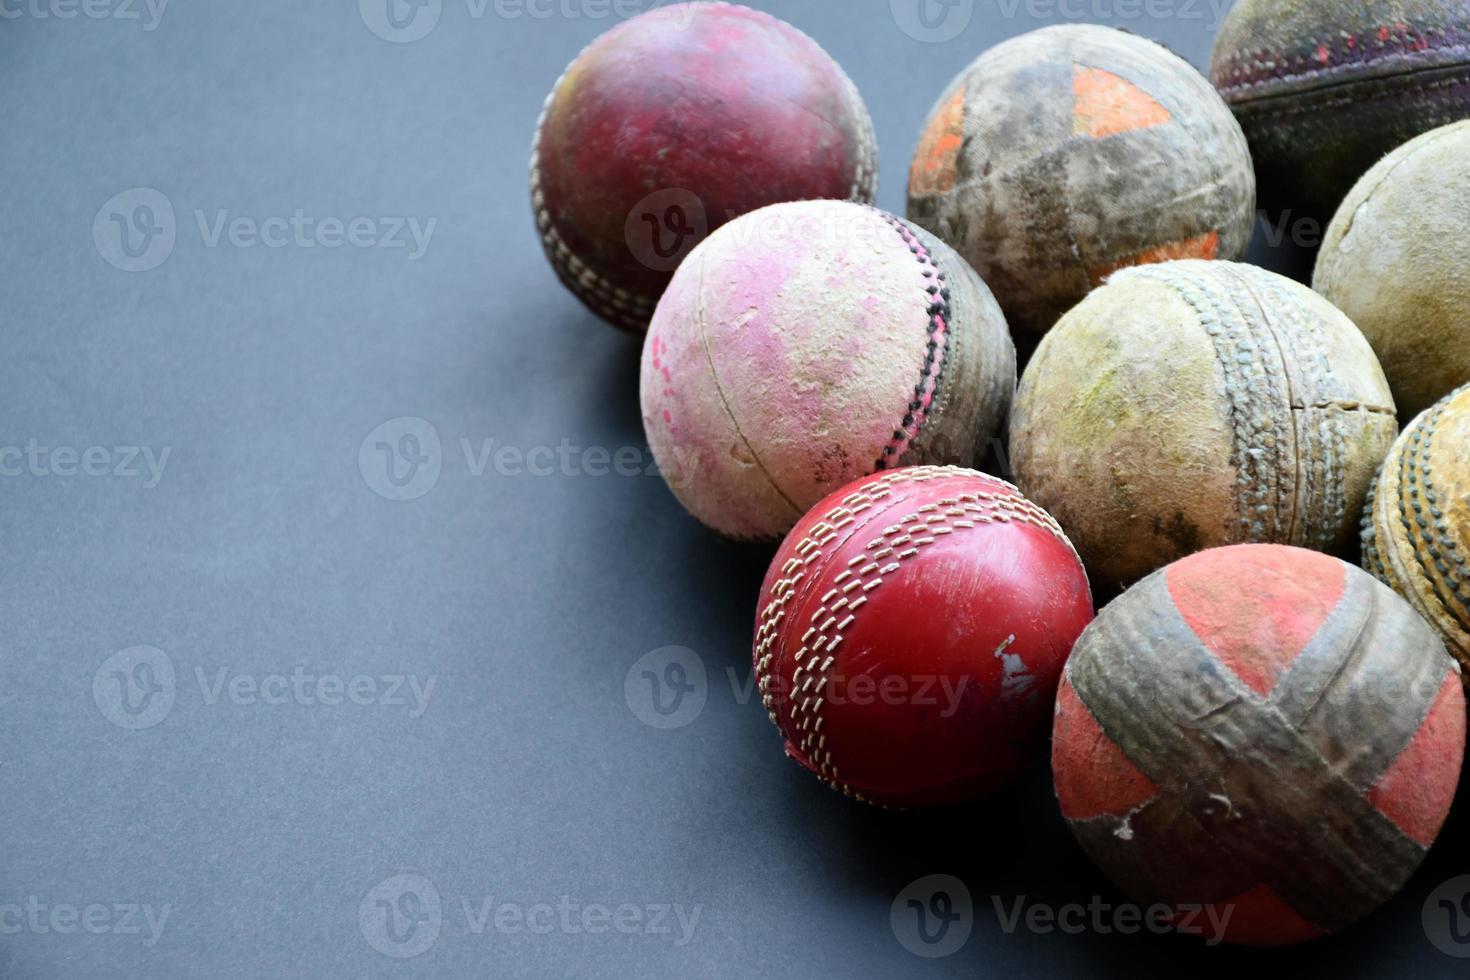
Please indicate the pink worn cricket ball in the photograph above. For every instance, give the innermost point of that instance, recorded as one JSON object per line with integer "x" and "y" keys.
{"x": 674, "y": 122}
{"x": 805, "y": 345}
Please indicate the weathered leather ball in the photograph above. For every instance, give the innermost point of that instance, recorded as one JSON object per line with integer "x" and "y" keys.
{"x": 1324, "y": 88}
{"x": 1393, "y": 261}
{"x": 911, "y": 631}
{"x": 672, "y": 123}
{"x": 1069, "y": 152}
{"x": 805, "y": 345}
{"x": 1416, "y": 532}
{"x": 1264, "y": 731}
{"x": 1194, "y": 404}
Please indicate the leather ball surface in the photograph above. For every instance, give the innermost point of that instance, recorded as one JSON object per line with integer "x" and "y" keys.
{"x": 1325, "y": 88}
{"x": 805, "y": 345}
{"x": 1394, "y": 262}
{"x": 1416, "y": 532}
{"x": 1265, "y": 731}
{"x": 675, "y": 121}
{"x": 1069, "y": 152}
{"x": 1191, "y": 404}
{"x": 911, "y": 631}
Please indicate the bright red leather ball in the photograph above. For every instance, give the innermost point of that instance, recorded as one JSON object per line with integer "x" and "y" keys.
{"x": 911, "y": 633}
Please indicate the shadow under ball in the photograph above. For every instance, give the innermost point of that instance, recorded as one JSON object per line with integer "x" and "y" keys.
{"x": 1064, "y": 154}
{"x": 1262, "y": 730}
{"x": 1193, "y": 404}
{"x": 1325, "y": 88}
{"x": 674, "y": 122}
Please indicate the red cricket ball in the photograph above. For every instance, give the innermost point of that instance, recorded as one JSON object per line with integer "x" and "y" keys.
{"x": 671, "y": 124}
{"x": 911, "y": 633}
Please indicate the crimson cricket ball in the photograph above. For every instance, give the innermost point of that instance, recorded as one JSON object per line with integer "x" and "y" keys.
{"x": 674, "y": 122}
{"x": 1325, "y": 88}
{"x": 1263, "y": 730}
{"x": 1064, "y": 154}
{"x": 808, "y": 344}
{"x": 1416, "y": 530}
{"x": 1192, "y": 404}
{"x": 911, "y": 631}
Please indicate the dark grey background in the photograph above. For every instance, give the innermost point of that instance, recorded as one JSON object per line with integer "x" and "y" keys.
{"x": 266, "y": 548}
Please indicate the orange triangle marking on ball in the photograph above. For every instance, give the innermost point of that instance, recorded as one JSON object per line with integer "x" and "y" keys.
{"x": 1106, "y": 105}
{"x": 1206, "y": 246}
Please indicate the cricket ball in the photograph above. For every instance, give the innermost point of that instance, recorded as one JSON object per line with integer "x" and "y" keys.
{"x": 674, "y": 122}
{"x": 808, "y": 344}
{"x": 1192, "y": 404}
{"x": 911, "y": 631}
{"x": 1416, "y": 532}
{"x": 1393, "y": 261}
{"x": 1263, "y": 731}
{"x": 1072, "y": 151}
{"x": 1325, "y": 88}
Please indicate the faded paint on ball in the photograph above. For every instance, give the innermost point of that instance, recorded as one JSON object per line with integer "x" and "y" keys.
{"x": 910, "y": 634}
{"x": 698, "y": 112}
{"x": 1263, "y": 730}
{"x": 1325, "y": 88}
{"x": 1416, "y": 532}
{"x": 1394, "y": 261}
{"x": 1192, "y": 404}
{"x": 1070, "y": 152}
{"x": 808, "y": 344}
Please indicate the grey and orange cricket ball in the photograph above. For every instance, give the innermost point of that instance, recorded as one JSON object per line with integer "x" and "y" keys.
{"x": 1416, "y": 532}
{"x": 1262, "y": 730}
{"x": 674, "y": 122}
{"x": 1394, "y": 262}
{"x": 1188, "y": 405}
{"x": 1325, "y": 88}
{"x": 805, "y": 345}
{"x": 1072, "y": 151}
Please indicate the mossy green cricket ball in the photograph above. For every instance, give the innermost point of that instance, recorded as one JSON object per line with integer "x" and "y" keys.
{"x": 1394, "y": 261}
{"x": 1192, "y": 404}
{"x": 1416, "y": 533}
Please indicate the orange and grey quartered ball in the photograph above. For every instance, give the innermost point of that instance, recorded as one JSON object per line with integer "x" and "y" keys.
{"x": 1072, "y": 151}
{"x": 1264, "y": 732}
